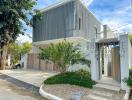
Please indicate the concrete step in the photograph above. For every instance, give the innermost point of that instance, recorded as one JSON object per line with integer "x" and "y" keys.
{"x": 109, "y": 83}
{"x": 102, "y": 93}
{"x": 108, "y": 87}
{"x": 95, "y": 97}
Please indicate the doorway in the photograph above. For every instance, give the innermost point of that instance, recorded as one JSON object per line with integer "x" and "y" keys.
{"x": 109, "y": 62}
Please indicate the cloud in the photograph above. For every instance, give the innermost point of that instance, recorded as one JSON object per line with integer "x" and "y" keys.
{"x": 87, "y": 2}
{"x": 25, "y": 38}
{"x": 116, "y": 16}
{"x": 120, "y": 19}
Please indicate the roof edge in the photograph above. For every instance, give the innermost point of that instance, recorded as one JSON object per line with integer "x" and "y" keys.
{"x": 55, "y": 5}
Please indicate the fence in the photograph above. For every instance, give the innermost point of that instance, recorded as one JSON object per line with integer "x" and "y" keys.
{"x": 35, "y": 63}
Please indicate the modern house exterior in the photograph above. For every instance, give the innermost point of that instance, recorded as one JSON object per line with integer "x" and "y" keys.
{"x": 71, "y": 20}
{"x": 67, "y": 19}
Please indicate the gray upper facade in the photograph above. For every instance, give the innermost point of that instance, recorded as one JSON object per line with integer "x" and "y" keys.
{"x": 68, "y": 19}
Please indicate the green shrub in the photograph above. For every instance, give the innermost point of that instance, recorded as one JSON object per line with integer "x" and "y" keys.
{"x": 84, "y": 73}
{"x": 129, "y": 79}
{"x": 81, "y": 78}
{"x": 62, "y": 55}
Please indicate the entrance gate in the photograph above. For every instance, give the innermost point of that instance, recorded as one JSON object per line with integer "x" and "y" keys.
{"x": 109, "y": 59}
{"x": 120, "y": 48}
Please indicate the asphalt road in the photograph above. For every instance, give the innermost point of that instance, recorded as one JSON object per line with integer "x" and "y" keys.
{"x": 9, "y": 91}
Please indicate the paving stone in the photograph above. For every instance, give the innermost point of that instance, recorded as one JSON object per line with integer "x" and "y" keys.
{"x": 77, "y": 96}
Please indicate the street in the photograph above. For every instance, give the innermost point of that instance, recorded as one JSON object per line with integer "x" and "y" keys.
{"x": 9, "y": 91}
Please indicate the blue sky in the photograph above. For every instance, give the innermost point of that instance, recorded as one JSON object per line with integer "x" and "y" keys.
{"x": 115, "y": 13}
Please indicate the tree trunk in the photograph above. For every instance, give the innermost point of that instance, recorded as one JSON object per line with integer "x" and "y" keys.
{"x": 3, "y": 57}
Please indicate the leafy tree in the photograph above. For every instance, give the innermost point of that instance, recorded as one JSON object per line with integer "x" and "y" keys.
{"x": 17, "y": 51}
{"x": 13, "y": 13}
{"x": 62, "y": 55}
{"x": 26, "y": 48}
{"x": 130, "y": 37}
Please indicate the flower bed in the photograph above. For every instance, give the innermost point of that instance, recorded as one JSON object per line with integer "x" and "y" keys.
{"x": 80, "y": 78}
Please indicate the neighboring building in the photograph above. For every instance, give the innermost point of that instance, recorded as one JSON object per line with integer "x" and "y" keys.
{"x": 71, "y": 20}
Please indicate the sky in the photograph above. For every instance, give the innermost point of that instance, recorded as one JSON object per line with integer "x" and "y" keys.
{"x": 117, "y": 14}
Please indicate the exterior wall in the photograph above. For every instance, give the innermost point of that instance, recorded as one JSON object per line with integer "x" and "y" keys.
{"x": 94, "y": 61}
{"x": 130, "y": 53}
{"x": 35, "y": 49}
{"x": 124, "y": 59}
{"x": 107, "y": 32}
{"x": 23, "y": 61}
{"x": 77, "y": 67}
{"x": 63, "y": 21}
{"x": 55, "y": 23}
{"x": 85, "y": 50}
{"x": 35, "y": 63}
{"x": 88, "y": 22}
{"x": 9, "y": 60}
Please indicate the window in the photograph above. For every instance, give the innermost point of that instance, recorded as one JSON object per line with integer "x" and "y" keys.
{"x": 79, "y": 23}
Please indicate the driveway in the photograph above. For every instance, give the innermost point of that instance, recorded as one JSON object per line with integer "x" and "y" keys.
{"x": 33, "y": 77}
{"x": 9, "y": 91}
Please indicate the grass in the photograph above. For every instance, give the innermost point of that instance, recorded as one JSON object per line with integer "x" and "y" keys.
{"x": 73, "y": 78}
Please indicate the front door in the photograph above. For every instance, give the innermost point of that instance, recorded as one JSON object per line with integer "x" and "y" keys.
{"x": 116, "y": 64}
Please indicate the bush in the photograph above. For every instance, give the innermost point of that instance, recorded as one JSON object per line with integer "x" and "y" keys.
{"x": 81, "y": 78}
{"x": 129, "y": 80}
{"x": 62, "y": 55}
{"x": 84, "y": 73}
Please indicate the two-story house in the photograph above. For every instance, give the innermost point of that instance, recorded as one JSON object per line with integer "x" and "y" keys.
{"x": 71, "y": 20}
{"x": 68, "y": 19}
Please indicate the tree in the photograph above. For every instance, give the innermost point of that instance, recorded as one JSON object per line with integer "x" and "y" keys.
{"x": 62, "y": 55}
{"x": 13, "y": 13}
{"x": 130, "y": 37}
{"x": 17, "y": 51}
{"x": 26, "y": 48}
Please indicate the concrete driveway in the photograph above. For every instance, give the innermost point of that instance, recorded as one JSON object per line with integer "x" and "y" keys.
{"x": 33, "y": 77}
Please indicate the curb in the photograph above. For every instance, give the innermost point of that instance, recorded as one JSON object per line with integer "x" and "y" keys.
{"x": 47, "y": 95}
{"x": 126, "y": 97}
{"x": 19, "y": 83}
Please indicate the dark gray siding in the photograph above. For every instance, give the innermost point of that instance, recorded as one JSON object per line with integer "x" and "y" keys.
{"x": 55, "y": 23}
{"x": 63, "y": 21}
{"x": 88, "y": 22}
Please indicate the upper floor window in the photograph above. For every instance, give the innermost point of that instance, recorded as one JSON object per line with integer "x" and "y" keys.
{"x": 79, "y": 23}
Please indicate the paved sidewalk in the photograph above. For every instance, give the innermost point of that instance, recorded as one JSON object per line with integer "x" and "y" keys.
{"x": 33, "y": 77}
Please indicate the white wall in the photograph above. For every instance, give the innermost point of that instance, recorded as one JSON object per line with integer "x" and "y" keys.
{"x": 130, "y": 53}
{"x": 86, "y": 52}
{"x": 24, "y": 60}
{"x": 35, "y": 49}
{"x": 77, "y": 67}
{"x": 124, "y": 59}
{"x": 9, "y": 60}
{"x": 94, "y": 61}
